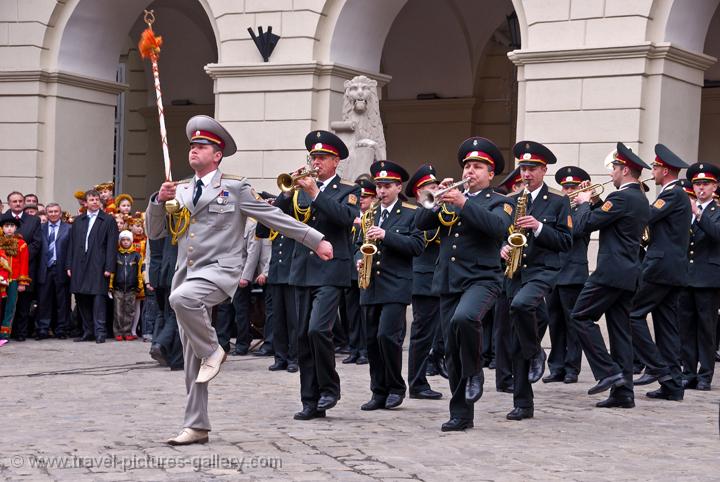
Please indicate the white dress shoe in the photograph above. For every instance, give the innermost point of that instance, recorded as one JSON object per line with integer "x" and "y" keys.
{"x": 210, "y": 366}
{"x": 189, "y": 436}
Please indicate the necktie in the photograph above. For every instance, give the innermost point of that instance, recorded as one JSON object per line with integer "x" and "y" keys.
{"x": 383, "y": 217}
{"x": 51, "y": 246}
{"x": 198, "y": 191}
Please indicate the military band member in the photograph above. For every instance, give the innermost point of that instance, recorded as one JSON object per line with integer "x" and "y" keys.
{"x": 548, "y": 228}
{"x": 330, "y": 205}
{"x": 502, "y": 328}
{"x": 385, "y": 300}
{"x": 610, "y": 289}
{"x": 566, "y": 354}
{"x": 215, "y": 208}
{"x": 425, "y": 303}
{"x": 357, "y": 337}
{"x": 699, "y": 302}
{"x": 689, "y": 189}
{"x": 468, "y": 277}
{"x": 664, "y": 274}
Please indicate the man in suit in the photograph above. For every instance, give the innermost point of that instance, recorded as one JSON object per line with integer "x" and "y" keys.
{"x": 30, "y": 231}
{"x": 166, "y": 347}
{"x": 52, "y": 281}
{"x": 329, "y": 204}
{"x": 468, "y": 277}
{"x": 357, "y": 336}
{"x": 385, "y": 300}
{"x": 664, "y": 274}
{"x": 566, "y": 354}
{"x": 699, "y": 302}
{"x": 92, "y": 252}
{"x": 425, "y": 303}
{"x": 610, "y": 289}
{"x": 547, "y": 226}
{"x": 214, "y": 208}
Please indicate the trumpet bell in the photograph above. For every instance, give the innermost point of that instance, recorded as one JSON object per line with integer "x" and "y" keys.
{"x": 517, "y": 240}
{"x": 285, "y": 182}
{"x": 426, "y": 198}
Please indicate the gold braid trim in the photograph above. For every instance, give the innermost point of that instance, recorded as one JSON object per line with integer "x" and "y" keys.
{"x": 273, "y": 235}
{"x": 301, "y": 214}
{"x": 435, "y": 236}
{"x": 178, "y": 223}
{"x": 448, "y": 222}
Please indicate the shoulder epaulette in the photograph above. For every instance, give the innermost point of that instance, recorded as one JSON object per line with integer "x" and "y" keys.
{"x": 184, "y": 181}
{"x": 409, "y": 206}
{"x": 232, "y": 177}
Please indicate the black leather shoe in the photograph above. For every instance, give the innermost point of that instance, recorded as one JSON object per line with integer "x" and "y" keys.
{"x": 570, "y": 378}
{"x": 509, "y": 389}
{"x": 351, "y": 358}
{"x": 430, "y": 369}
{"x": 612, "y": 402}
{"x": 663, "y": 394}
{"x": 456, "y": 425}
{"x": 689, "y": 384}
{"x": 607, "y": 383}
{"x": 292, "y": 367}
{"x": 263, "y": 352}
{"x": 638, "y": 369}
{"x": 41, "y": 336}
{"x": 474, "y": 387}
{"x": 373, "y": 404}
{"x": 100, "y": 339}
{"x": 394, "y": 400}
{"x": 553, "y": 377}
{"x": 85, "y": 338}
{"x": 20, "y": 338}
{"x": 518, "y": 413}
{"x": 704, "y": 386}
{"x": 427, "y": 394}
{"x": 342, "y": 350}
{"x": 156, "y": 353}
{"x": 327, "y": 402}
{"x": 645, "y": 379}
{"x": 537, "y": 366}
{"x": 362, "y": 360}
{"x": 277, "y": 366}
{"x": 239, "y": 352}
{"x": 441, "y": 367}
{"x": 309, "y": 413}
{"x": 61, "y": 336}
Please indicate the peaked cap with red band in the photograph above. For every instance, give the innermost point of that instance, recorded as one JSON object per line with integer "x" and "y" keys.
{"x": 367, "y": 187}
{"x": 687, "y": 186}
{"x": 324, "y": 142}
{"x": 388, "y": 171}
{"x": 703, "y": 171}
{"x": 571, "y": 176}
{"x": 507, "y": 184}
{"x": 425, "y": 175}
{"x": 531, "y": 153}
{"x": 481, "y": 149}
{"x": 624, "y": 156}
{"x": 667, "y": 158}
{"x": 202, "y": 129}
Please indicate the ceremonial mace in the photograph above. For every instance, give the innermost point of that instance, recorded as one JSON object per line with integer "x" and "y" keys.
{"x": 149, "y": 47}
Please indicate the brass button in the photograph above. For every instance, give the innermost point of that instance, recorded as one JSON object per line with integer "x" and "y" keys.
{"x": 459, "y": 223}
{"x": 313, "y": 218}
{"x": 279, "y": 261}
{"x": 692, "y": 252}
{"x": 377, "y": 273}
{"x": 456, "y": 235}
{"x": 279, "y": 252}
{"x": 192, "y": 235}
{"x": 454, "y": 247}
{"x": 191, "y": 249}
{"x": 312, "y": 252}
{"x": 544, "y": 219}
{"x": 379, "y": 252}
{"x": 190, "y": 263}
{"x": 691, "y": 261}
{"x": 377, "y": 263}
{"x": 692, "y": 243}
{"x": 192, "y": 221}
{"x": 524, "y": 255}
{"x": 524, "y": 266}
{"x": 452, "y": 259}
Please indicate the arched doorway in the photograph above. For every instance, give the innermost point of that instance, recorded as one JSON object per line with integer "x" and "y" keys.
{"x": 709, "y": 150}
{"x": 102, "y": 122}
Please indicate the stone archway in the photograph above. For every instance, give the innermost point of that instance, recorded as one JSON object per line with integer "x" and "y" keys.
{"x": 92, "y": 43}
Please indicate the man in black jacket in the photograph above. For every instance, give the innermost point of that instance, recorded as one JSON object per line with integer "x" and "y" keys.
{"x": 30, "y": 231}
{"x": 91, "y": 260}
{"x": 468, "y": 277}
{"x": 329, "y": 205}
{"x": 425, "y": 303}
{"x": 609, "y": 290}
{"x": 699, "y": 302}
{"x": 166, "y": 347}
{"x": 664, "y": 274}
{"x": 566, "y": 355}
{"x": 548, "y": 230}
{"x": 385, "y": 300}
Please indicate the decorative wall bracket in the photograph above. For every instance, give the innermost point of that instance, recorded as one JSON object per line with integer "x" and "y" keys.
{"x": 264, "y": 41}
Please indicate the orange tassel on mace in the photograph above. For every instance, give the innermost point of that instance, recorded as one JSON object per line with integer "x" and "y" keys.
{"x": 150, "y": 44}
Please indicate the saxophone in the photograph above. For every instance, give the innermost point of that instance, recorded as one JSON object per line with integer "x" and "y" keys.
{"x": 518, "y": 236}
{"x": 368, "y": 248}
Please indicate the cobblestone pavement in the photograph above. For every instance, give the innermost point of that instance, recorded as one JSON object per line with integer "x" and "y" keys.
{"x": 104, "y": 412}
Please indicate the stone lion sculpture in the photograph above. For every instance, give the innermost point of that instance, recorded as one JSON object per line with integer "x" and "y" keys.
{"x": 361, "y": 128}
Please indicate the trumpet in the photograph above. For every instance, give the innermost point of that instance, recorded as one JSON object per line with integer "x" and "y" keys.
{"x": 430, "y": 199}
{"x": 597, "y": 189}
{"x": 287, "y": 182}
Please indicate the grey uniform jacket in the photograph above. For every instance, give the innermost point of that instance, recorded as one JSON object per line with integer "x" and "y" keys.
{"x": 212, "y": 246}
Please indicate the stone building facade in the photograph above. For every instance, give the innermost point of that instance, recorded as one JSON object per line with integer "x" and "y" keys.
{"x": 77, "y": 103}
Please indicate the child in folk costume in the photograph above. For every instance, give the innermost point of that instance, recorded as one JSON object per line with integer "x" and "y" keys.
{"x": 136, "y": 224}
{"x": 125, "y": 285}
{"x": 17, "y": 256}
{"x": 124, "y": 203}
{"x": 106, "y": 196}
